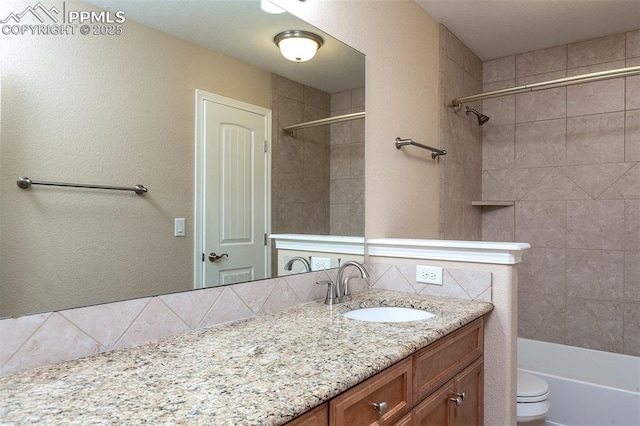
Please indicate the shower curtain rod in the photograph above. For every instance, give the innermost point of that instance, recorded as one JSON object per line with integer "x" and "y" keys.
{"x": 323, "y": 121}
{"x": 561, "y": 82}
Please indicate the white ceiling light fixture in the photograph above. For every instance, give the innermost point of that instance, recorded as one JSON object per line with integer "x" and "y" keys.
{"x": 269, "y": 7}
{"x": 297, "y": 45}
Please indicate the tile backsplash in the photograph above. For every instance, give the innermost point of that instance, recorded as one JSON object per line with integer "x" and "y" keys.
{"x": 49, "y": 338}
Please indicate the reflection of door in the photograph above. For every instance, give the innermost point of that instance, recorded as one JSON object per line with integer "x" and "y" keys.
{"x": 234, "y": 190}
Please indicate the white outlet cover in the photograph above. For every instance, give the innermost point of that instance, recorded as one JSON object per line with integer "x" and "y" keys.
{"x": 320, "y": 263}
{"x": 429, "y": 274}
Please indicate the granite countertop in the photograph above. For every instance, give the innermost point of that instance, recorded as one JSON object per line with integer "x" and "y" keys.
{"x": 264, "y": 371}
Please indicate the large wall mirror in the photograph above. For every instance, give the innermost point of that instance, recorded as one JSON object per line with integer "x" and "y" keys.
{"x": 114, "y": 103}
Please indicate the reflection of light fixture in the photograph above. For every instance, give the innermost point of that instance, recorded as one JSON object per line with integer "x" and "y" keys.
{"x": 269, "y": 7}
{"x": 298, "y": 46}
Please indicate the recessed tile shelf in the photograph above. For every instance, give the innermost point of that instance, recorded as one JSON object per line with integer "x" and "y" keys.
{"x": 493, "y": 203}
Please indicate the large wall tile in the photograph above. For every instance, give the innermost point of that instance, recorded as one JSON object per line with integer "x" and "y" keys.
{"x": 541, "y": 61}
{"x": 541, "y": 317}
{"x": 541, "y": 105}
{"x": 632, "y": 224}
{"x": 502, "y": 110}
{"x": 632, "y": 329}
{"x": 633, "y": 92}
{"x": 155, "y": 322}
{"x": 595, "y": 224}
{"x": 106, "y": 323}
{"x": 192, "y": 306}
{"x": 519, "y": 181}
{"x": 498, "y": 223}
{"x": 541, "y": 223}
{"x": 595, "y": 139}
{"x": 14, "y": 332}
{"x": 603, "y": 49}
{"x": 57, "y": 340}
{"x": 542, "y": 271}
{"x": 632, "y": 136}
{"x": 499, "y": 69}
{"x": 541, "y": 144}
{"x": 498, "y": 147}
{"x": 596, "y": 98}
{"x": 556, "y": 186}
{"x": 627, "y": 186}
{"x": 633, "y": 44}
{"x": 596, "y": 178}
{"x": 595, "y": 274}
{"x": 595, "y": 324}
{"x": 632, "y": 275}
{"x": 494, "y": 190}
{"x": 596, "y": 68}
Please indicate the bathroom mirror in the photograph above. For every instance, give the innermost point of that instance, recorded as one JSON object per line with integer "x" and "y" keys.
{"x": 106, "y": 102}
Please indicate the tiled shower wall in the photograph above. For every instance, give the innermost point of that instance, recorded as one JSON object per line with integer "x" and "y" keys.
{"x": 300, "y": 164}
{"x": 569, "y": 158}
{"x": 459, "y": 172}
{"x": 346, "y": 208}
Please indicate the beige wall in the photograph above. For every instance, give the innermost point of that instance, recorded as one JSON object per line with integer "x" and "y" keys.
{"x": 401, "y": 44}
{"x": 570, "y": 159}
{"x": 113, "y": 110}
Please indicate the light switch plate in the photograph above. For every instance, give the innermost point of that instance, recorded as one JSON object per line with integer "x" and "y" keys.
{"x": 179, "y": 227}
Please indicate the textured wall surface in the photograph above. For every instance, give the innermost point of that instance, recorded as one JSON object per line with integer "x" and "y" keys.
{"x": 115, "y": 110}
{"x": 570, "y": 159}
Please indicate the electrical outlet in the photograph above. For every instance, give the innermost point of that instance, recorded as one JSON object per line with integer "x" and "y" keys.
{"x": 320, "y": 263}
{"x": 429, "y": 274}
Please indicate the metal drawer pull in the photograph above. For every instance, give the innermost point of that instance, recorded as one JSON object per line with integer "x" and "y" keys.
{"x": 462, "y": 395}
{"x": 457, "y": 400}
{"x": 381, "y": 407}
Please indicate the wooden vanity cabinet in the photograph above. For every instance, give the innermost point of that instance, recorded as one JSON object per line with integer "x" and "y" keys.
{"x": 319, "y": 416}
{"x": 458, "y": 402}
{"x": 442, "y": 384}
{"x": 381, "y": 400}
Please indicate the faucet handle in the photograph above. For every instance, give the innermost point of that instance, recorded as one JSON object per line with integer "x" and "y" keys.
{"x": 331, "y": 292}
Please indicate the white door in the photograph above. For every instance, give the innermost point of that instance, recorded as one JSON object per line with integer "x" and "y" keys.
{"x": 235, "y": 189}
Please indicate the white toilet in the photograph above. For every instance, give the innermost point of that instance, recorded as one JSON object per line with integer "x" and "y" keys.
{"x": 533, "y": 400}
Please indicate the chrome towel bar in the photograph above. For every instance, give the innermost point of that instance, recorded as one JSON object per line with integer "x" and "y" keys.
{"x": 435, "y": 152}
{"x": 24, "y": 183}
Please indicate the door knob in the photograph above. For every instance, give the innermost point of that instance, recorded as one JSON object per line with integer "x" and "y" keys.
{"x": 214, "y": 257}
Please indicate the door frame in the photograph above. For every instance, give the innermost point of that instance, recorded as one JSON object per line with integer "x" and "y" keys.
{"x": 198, "y": 213}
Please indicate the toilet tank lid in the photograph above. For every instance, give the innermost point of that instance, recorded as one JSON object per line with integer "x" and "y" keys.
{"x": 530, "y": 385}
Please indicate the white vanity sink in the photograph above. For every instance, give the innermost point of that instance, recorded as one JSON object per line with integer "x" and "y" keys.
{"x": 389, "y": 314}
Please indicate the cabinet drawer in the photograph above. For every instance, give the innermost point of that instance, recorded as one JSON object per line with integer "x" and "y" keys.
{"x": 439, "y": 362}
{"x": 392, "y": 386}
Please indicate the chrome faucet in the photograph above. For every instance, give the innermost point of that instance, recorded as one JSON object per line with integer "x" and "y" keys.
{"x": 342, "y": 284}
{"x": 288, "y": 266}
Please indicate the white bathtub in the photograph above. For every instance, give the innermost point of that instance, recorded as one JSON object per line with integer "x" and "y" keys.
{"x": 587, "y": 387}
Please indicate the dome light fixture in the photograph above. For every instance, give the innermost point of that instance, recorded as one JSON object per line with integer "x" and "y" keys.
{"x": 298, "y": 45}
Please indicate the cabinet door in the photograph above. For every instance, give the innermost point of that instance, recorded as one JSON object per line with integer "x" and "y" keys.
{"x": 437, "y": 409}
{"x": 439, "y": 362}
{"x": 319, "y": 416}
{"x": 390, "y": 389}
{"x": 470, "y": 384}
